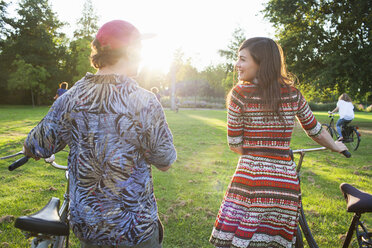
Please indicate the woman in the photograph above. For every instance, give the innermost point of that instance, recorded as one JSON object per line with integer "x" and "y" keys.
{"x": 346, "y": 109}
{"x": 260, "y": 207}
{"x": 115, "y": 130}
{"x": 62, "y": 89}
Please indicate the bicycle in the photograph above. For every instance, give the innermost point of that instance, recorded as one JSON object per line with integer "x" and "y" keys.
{"x": 350, "y": 134}
{"x": 49, "y": 227}
{"x": 358, "y": 202}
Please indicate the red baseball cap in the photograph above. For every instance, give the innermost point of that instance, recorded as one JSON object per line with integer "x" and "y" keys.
{"x": 119, "y": 33}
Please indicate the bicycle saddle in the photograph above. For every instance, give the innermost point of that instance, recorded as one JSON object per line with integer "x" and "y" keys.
{"x": 46, "y": 221}
{"x": 357, "y": 200}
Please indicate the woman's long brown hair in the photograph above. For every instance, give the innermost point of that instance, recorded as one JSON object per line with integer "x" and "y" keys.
{"x": 272, "y": 74}
{"x": 345, "y": 97}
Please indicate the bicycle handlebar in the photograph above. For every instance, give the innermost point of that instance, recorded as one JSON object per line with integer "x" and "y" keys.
{"x": 18, "y": 163}
{"x": 346, "y": 153}
{"x": 25, "y": 159}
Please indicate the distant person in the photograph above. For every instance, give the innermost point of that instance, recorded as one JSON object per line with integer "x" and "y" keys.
{"x": 262, "y": 202}
{"x": 62, "y": 89}
{"x": 346, "y": 109}
{"x": 177, "y": 103}
{"x": 115, "y": 130}
{"x": 155, "y": 90}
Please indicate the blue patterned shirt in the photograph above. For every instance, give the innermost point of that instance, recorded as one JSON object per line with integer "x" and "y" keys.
{"x": 109, "y": 122}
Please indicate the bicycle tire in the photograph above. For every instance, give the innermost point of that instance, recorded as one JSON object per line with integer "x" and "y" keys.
{"x": 353, "y": 141}
{"x": 331, "y": 131}
{"x": 299, "y": 239}
{"x": 306, "y": 230}
{"x": 60, "y": 242}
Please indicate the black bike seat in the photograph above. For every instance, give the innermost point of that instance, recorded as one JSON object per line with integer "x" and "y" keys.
{"x": 357, "y": 200}
{"x": 46, "y": 221}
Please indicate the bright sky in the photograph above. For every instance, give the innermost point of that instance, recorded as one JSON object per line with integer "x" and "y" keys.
{"x": 199, "y": 27}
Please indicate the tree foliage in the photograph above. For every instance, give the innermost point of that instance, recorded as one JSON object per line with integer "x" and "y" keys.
{"x": 327, "y": 44}
{"x": 28, "y": 77}
{"x": 231, "y": 53}
{"x": 4, "y": 20}
{"x": 34, "y": 38}
{"x": 87, "y": 24}
{"x": 79, "y": 63}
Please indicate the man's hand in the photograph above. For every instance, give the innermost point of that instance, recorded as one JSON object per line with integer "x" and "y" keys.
{"x": 27, "y": 153}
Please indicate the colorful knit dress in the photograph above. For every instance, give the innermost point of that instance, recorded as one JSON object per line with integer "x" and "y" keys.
{"x": 260, "y": 207}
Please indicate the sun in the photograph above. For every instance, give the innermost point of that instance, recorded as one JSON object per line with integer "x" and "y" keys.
{"x": 156, "y": 55}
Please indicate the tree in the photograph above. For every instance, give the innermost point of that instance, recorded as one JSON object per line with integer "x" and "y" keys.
{"x": 87, "y": 24}
{"x": 327, "y": 43}
{"x": 3, "y": 36}
{"x": 148, "y": 78}
{"x": 79, "y": 62}
{"x": 28, "y": 77}
{"x": 231, "y": 53}
{"x": 36, "y": 40}
{"x": 3, "y": 22}
{"x": 215, "y": 75}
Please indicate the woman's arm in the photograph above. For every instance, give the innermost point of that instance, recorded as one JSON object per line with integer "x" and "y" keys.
{"x": 335, "y": 110}
{"x": 325, "y": 139}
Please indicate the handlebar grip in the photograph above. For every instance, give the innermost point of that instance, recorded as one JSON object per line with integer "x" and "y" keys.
{"x": 346, "y": 153}
{"x": 18, "y": 163}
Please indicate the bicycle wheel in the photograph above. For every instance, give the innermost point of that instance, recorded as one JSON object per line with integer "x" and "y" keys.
{"x": 353, "y": 140}
{"x": 306, "y": 230}
{"x": 60, "y": 242}
{"x": 299, "y": 240}
{"x": 330, "y": 130}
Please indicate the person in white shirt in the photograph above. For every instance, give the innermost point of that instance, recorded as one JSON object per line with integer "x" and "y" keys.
{"x": 346, "y": 109}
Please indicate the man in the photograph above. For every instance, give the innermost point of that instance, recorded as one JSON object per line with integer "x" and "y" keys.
{"x": 115, "y": 130}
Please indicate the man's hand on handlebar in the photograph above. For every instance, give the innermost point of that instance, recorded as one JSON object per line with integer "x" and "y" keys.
{"x": 27, "y": 153}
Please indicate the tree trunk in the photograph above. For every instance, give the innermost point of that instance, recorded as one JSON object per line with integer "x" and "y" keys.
{"x": 32, "y": 98}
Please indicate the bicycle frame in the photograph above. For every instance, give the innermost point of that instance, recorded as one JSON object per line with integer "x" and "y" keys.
{"x": 57, "y": 241}
{"x": 42, "y": 240}
{"x": 302, "y": 220}
{"x": 355, "y": 223}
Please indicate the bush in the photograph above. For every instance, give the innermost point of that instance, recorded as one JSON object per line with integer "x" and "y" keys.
{"x": 322, "y": 106}
{"x": 191, "y": 102}
{"x": 369, "y": 108}
{"x": 358, "y": 107}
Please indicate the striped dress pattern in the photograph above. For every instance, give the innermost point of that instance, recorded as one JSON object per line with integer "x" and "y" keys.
{"x": 109, "y": 123}
{"x": 260, "y": 207}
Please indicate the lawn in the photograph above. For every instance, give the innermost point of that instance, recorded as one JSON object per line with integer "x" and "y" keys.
{"x": 190, "y": 193}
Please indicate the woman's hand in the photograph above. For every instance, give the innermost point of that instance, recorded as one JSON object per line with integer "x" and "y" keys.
{"x": 341, "y": 146}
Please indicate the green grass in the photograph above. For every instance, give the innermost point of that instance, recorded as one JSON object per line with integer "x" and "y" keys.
{"x": 190, "y": 193}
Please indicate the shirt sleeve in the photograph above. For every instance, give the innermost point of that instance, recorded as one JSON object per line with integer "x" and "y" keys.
{"x": 49, "y": 136}
{"x": 162, "y": 150}
{"x": 235, "y": 128}
{"x": 305, "y": 116}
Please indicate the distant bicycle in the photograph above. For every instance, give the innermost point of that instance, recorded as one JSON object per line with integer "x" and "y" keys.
{"x": 350, "y": 134}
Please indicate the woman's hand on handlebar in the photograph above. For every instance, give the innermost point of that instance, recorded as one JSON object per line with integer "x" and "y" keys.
{"x": 341, "y": 146}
